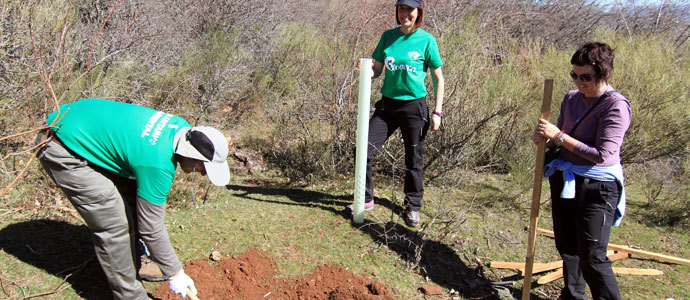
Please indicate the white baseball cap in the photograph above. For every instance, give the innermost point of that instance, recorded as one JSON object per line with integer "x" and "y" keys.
{"x": 209, "y": 145}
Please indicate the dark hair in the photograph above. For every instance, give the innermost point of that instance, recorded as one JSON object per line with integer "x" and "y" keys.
{"x": 599, "y": 56}
{"x": 420, "y": 17}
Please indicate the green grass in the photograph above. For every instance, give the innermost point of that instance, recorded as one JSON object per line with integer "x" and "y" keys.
{"x": 301, "y": 228}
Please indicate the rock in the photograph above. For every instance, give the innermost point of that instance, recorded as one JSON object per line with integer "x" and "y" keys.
{"x": 503, "y": 292}
{"x": 251, "y": 161}
{"x": 431, "y": 290}
{"x": 377, "y": 288}
{"x": 215, "y": 256}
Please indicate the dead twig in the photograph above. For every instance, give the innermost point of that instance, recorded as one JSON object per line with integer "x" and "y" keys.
{"x": 21, "y": 152}
{"x": 77, "y": 267}
{"x": 2, "y": 285}
{"x": 22, "y": 133}
{"x": 21, "y": 173}
{"x": 32, "y": 250}
{"x": 95, "y": 41}
{"x": 59, "y": 288}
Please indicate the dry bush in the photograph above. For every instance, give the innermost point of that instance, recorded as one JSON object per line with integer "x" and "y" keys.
{"x": 311, "y": 90}
{"x": 565, "y": 22}
{"x": 281, "y": 74}
{"x": 664, "y": 185}
{"x": 493, "y": 53}
{"x": 169, "y": 56}
{"x": 38, "y": 54}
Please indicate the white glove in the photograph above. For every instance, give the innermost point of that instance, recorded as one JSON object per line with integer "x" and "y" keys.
{"x": 180, "y": 282}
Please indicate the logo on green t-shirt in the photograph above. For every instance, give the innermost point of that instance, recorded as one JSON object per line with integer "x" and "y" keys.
{"x": 391, "y": 66}
{"x": 151, "y": 124}
{"x": 414, "y": 55}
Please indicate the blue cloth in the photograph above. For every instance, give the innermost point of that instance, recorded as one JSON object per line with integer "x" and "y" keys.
{"x": 610, "y": 173}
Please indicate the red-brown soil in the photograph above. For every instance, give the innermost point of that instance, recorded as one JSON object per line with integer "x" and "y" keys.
{"x": 252, "y": 276}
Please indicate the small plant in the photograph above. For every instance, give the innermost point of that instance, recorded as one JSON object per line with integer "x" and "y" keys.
{"x": 655, "y": 177}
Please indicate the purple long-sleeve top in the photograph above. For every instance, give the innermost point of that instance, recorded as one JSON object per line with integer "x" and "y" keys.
{"x": 601, "y": 133}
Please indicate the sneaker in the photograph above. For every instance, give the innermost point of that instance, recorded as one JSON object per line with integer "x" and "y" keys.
{"x": 367, "y": 206}
{"x": 411, "y": 217}
{"x": 148, "y": 269}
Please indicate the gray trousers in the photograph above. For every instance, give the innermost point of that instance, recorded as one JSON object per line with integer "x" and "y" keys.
{"x": 102, "y": 200}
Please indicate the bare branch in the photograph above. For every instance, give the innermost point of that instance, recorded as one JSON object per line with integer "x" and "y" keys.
{"x": 95, "y": 41}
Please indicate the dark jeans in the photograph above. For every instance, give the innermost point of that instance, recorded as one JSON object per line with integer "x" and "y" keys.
{"x": 412, "y": 117}
{"x": 581, "y": 227}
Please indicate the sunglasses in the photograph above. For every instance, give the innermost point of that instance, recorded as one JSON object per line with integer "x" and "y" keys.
{"x": 583, "y": 77}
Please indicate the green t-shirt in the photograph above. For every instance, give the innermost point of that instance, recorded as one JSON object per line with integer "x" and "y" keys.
{"x": 406, "y": 59}
{"x": 129, "y": 140}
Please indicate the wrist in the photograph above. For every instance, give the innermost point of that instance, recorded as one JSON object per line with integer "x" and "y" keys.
{"x": 438, "y": 113}
{"x": 178, "y": 274}
{"x": 558, "y": 138}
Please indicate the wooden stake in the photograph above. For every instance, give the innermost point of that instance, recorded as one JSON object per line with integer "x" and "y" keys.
{"x": 536, "y": 193}
{"x": 191, "y": 295}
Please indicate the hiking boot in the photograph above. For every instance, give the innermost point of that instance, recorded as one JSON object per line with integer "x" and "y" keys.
{"x": 148, "y": 270}
{"x": 411, "y": 217}
{"x": 367, "y": 206}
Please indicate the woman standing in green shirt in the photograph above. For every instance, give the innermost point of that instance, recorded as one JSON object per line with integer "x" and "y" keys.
{"x": 405, "y": 53}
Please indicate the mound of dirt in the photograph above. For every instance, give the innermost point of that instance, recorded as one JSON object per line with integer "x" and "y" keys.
{"x": 251, "y": 276}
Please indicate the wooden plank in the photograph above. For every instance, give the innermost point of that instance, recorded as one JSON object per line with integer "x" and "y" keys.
{"x": 536, "y": 193}
{"x": 543, "y": 267}
{"x": 551, "y": 276}
{"x": 558, "y": 274}
{"x": 635, "y": 271}
{"x": 520, "y": 266}
{"x": 650, "y": 255}
{"x": 634, "y": 252}
{"x": 507, "y": 265}
{"x": 545, "y": 232}
{"x": 618, "y": 256}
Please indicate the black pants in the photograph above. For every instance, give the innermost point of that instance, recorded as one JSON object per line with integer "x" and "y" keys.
{"x": 581, "y": 227}
{"x": 412, "y": 117}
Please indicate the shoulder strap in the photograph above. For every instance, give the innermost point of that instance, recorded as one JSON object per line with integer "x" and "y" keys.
{"x": 592, "y": 108}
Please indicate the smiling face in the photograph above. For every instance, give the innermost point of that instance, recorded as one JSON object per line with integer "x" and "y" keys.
{"x": 407, "y": 15}
{"x": 590, "y": 88}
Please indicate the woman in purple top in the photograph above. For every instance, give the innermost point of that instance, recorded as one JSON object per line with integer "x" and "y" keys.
{"x": 600, "y": 117}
